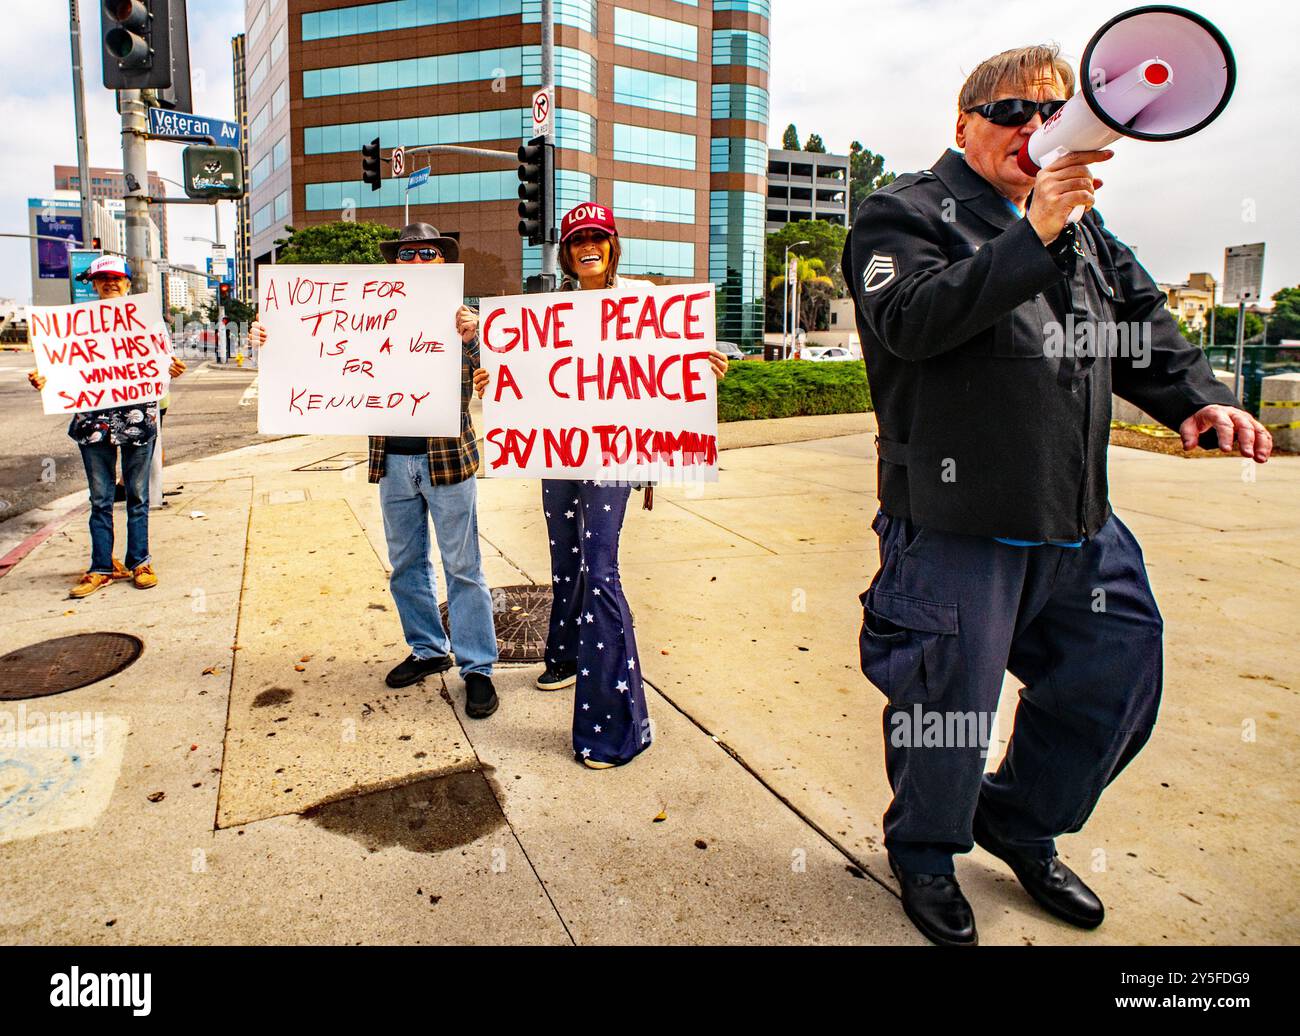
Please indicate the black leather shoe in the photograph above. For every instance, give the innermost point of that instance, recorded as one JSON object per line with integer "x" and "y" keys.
{"x": 408, "y": 672}
{"x": 480, "y": 696}
{"x": 557, "y": 675}
{"x": 1054, "y": 887}
{"x": 936, "y": 905}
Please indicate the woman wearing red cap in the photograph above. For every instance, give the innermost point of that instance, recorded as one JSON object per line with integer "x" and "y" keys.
{"x": 591, "y": 641}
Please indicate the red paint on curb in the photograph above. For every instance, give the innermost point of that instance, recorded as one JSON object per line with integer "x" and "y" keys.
{"x": 33, "y": 541}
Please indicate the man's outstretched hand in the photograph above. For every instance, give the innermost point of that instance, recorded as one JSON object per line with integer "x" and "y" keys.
{"x": 1230, "y": 424}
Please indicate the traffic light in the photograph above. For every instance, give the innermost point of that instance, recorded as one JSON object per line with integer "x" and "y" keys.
{"x": 537, "y": 191}
{"x": 137, "y": 43}
{"x": 370, "y": 164}
{"x": 223, "y": 289}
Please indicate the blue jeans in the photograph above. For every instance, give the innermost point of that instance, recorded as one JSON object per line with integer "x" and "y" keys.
{"x": 101, "y": 475}
{"x": 409, "y": 500}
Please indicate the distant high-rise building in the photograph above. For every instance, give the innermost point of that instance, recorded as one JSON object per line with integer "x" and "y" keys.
{"x": 244, "y": 286}
{"x": 807, "y": 185}
{"x": 661, "y": 114}
{"x": 110, "y": 183}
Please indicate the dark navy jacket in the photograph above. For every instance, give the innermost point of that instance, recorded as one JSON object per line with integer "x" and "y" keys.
{"x": 989, "y": 422}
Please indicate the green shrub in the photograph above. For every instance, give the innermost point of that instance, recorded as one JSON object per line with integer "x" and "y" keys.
{"x": 792, "y": 388}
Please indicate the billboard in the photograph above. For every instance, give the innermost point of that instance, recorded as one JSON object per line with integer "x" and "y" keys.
{"x": 80, "y": 260}
{"x": 52, "y": 256}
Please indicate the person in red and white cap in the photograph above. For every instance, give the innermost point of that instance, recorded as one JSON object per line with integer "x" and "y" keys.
{"x": 101, "y": 434}
{"x": 591, "y": 643}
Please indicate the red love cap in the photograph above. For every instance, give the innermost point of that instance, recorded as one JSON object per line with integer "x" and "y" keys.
{"x": 585, "y": 216}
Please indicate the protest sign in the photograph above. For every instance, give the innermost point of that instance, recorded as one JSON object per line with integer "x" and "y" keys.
{"x": 360, "y": 350}
{"x": 612, "y": 385}
{"x": 101, "y": 354}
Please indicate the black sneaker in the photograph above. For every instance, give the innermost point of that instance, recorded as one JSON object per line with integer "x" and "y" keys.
{"x": 413, "y": 669}
{"x": 557, "y": 675}
{"x": 480, "y": 696}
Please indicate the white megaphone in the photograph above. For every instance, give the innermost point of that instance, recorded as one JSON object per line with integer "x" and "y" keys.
{"x": 1153, "y": 73}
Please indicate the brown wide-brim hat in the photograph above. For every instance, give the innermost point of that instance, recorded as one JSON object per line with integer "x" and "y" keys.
{"x": 415, "y": 234}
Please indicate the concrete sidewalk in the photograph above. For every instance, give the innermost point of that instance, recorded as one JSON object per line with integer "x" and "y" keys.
{"x": 304, "y": 801}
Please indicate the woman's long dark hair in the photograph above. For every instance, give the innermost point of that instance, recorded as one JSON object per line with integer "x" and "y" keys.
{"x": 611, "y": 271}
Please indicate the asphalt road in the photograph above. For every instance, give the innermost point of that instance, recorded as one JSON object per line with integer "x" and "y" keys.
{"x": 39, "y": 463}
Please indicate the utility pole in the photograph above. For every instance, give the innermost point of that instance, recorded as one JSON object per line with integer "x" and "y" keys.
{"x": 223, "y": 345}
{"x": 135, "y": 170}
{"x": 79, "y": 112}
{"x": 550, "y": 248}
{"x": 1238, "y": 378}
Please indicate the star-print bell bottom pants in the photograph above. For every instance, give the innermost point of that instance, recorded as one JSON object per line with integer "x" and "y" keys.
{"x": 591, "y": 624}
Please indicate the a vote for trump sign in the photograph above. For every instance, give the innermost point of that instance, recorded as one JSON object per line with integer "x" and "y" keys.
{"x": 101, "y": 354}
{"x": 360, "y": 350}
{"x": 612, "y": 385}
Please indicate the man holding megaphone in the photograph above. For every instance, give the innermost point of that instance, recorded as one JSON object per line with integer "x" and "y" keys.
{"x": 991, "y": 326}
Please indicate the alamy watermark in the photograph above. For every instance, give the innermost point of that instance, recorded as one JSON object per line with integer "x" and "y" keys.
{"x": 917, "y": 728}
{"x": 1130, "y": 340}
{"x": 83, "y": 731}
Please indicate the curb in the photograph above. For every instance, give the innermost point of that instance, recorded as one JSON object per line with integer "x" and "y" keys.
{"x": 10, "y": 560}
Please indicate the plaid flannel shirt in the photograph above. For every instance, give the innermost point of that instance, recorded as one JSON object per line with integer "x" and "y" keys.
{"x": 451, "y": 460}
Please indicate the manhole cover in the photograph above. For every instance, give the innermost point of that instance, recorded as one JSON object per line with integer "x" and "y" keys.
{"x": 522, "y": 615}
{"x": 66, "y": 663}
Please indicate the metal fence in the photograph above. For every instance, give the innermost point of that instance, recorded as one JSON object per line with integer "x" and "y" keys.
{"x": 1258, "y": 362}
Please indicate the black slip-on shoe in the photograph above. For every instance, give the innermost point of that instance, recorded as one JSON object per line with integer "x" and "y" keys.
{"x": 1052, "y": 884}
{"x": 557, "y": 675}
{"x": 414, "y": 669}
{"x": 936, "y": 905}
{"x": 480, "y": 696}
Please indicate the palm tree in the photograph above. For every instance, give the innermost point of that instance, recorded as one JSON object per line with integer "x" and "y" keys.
{"x": 814, "y": 289}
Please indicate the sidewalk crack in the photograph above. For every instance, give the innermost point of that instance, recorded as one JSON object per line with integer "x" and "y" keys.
{"x": 844, "y": 851}
{"x": 446, "y": 696}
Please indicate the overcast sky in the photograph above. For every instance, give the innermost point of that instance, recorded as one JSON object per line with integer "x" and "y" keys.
{"x": 885, "y": 72}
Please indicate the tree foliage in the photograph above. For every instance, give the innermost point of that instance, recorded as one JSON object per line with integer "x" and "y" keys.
{"x": 825, "y": 242}
{"x": 1225, "y": 326}
{"x": 1285, "y": 321}
{"x": 342, "y": 241}
{"x": 237, "y": 311}
{"x": 790, "y": 139}
{"x": 815, "y": 144}
{"x": 866, "y": 174}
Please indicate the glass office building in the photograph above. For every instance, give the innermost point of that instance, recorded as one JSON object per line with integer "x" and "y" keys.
{"x": 661, "y": 114}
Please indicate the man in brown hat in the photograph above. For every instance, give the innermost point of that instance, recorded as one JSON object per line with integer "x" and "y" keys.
{"x": 423, "y": 478}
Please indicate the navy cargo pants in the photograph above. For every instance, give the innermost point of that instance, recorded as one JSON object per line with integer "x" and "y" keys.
{"x": 944, "y": 617}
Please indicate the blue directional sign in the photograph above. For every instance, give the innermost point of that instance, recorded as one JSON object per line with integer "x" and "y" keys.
{"x": 417, "y": 178}
{"x": 164, "y": 123}
{"x": 228, "y": 277}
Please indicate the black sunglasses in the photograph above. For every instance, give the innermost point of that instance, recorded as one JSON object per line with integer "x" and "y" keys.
{"x": 1016, "y": 111}
{"x": 427, "y": 254}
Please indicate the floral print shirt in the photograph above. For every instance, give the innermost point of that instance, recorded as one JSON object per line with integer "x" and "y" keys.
{"x": 121, "y": 426}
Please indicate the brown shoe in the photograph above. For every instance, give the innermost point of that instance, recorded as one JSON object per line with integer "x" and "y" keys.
{"x": 143, "y": 577}
{"x": 90, "y": 582}
{"x": 120, "y": 571}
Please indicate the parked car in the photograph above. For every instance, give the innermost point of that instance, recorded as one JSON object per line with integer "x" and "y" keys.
{"x": 731, "y": 351}
{"x": 828, "y": 353}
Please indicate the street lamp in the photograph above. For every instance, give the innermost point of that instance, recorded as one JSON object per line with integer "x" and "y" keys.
{"x": 221, "y": 310}
{"x": 785, "y": 299}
